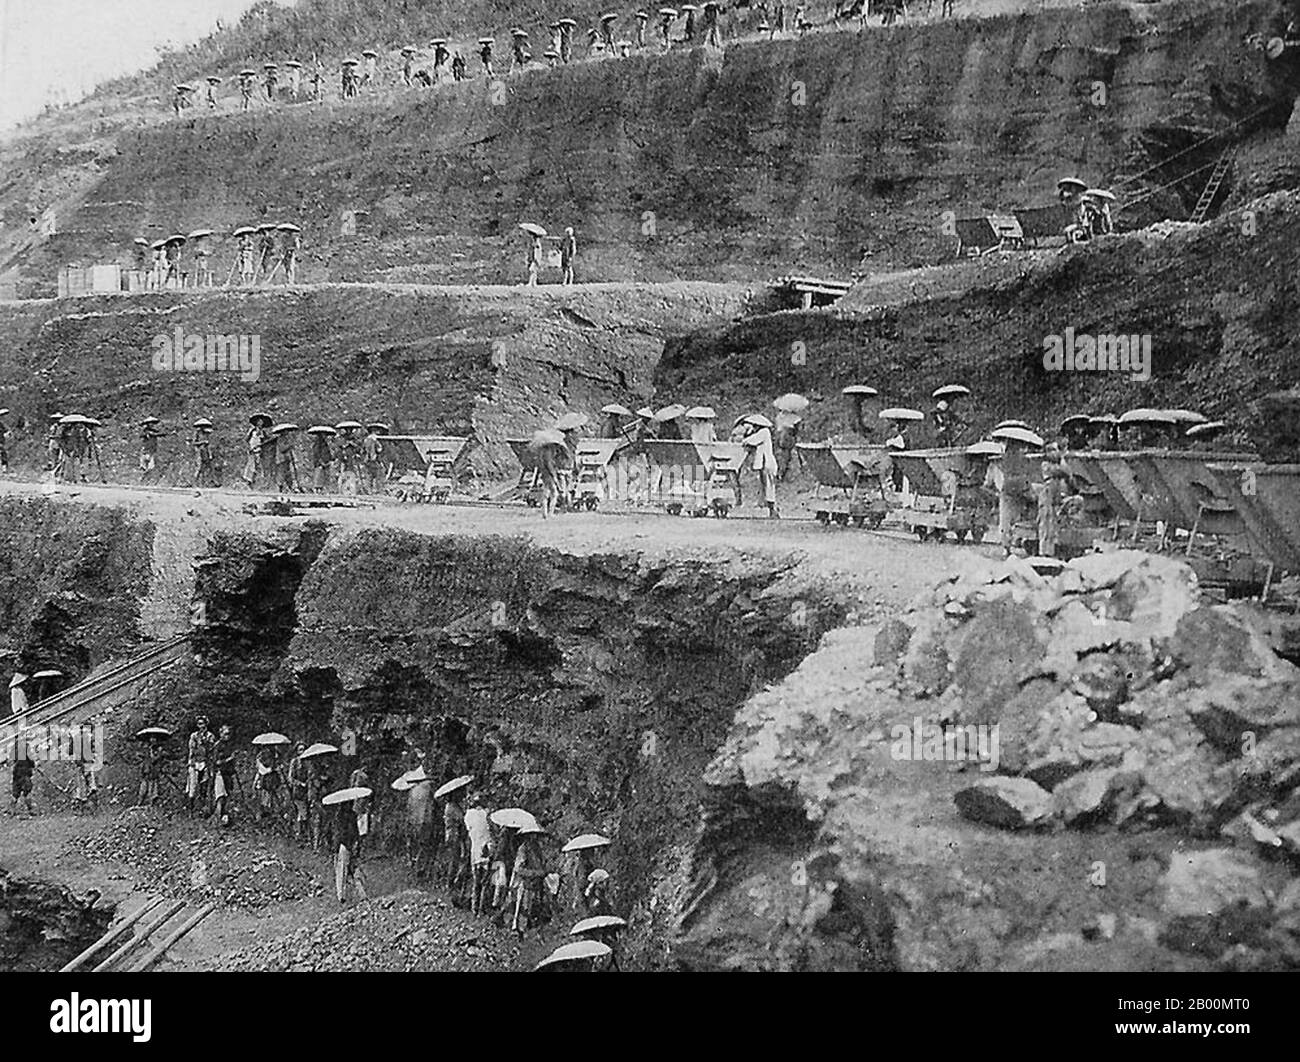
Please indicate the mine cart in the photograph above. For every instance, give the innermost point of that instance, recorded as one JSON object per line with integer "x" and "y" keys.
{"x": 591, "y": 463}
{"x": 722, "y": 490}
{"x": 528, "y": 486}
{"x": 1267, "y": 497}
{"x": 941, "y": 499}
{"x": 424, "y": 465}
{"x": 694, "y": 477}
{"x": 848, "y": 482}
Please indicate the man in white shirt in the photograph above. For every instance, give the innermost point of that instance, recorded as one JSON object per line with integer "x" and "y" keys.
{"x": 479, "y": 834}
{"x": 759, "y": 440}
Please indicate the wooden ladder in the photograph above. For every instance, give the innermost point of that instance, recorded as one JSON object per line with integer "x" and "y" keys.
{"x": 1213, "y": 185}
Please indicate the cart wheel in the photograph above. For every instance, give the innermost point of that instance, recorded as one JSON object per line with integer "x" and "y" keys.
{"x": 531, "y": 502}
{"x": 823, "y": 518}
{"x": 842, "y": 519}
{"x": 962, "y": 535}
{"x": 721, "y": 510}
{"x": 977, "y": 534}
{"x": 674, "y": 508}
{"x": 858, "y": 521}
{"x": 592, "y": 502}
{"x": 875, "y": 519}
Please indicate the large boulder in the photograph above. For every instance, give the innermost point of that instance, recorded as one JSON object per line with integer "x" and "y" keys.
{"x": 1206, "y": 882}
{"x": 1011, "y": 803}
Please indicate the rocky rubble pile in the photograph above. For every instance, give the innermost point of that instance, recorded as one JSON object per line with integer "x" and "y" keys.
{"x": 405, "y": 932}
{"x": 201, "y": 865}
{"x": 1122, "y": 699}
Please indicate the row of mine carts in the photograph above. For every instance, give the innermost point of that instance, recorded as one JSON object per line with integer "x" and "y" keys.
{"x": 690, "y": 477}
{"x": 1236, "y": 517}
{"x": 930, "y": 492}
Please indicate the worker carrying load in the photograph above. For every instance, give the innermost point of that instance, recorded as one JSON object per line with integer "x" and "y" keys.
{"x": 785, "y": 434}
{"x": 1012, "y": 475}
{"x": 554, "y": 464}
{"x": 758, "y": 439}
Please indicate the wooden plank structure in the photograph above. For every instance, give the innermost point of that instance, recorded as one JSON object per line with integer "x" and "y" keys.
{"x": 812, "y": 291}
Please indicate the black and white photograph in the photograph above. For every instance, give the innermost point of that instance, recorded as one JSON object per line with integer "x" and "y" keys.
{"x": 510, "y": 486}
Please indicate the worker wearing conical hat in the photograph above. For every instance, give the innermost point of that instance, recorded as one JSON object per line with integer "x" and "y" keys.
{"x": 485, "y": 57}
{"x": 568, "y": 252}
{"x": 290, "y": 244}
{"x": 372, "y": 69}
{"x": 271, "y": 79}
{"x": 1011, "y": 476}
{"x": 666, "y": 16}
{"x": 204, "y": 465}
{"x": 172, "y": 253}
{"x": 18, "y": 694}
{"x": 150, "y": 432}
{"x": 247, "y": 259}
{"x": 641, "y": 19}
{"x": 607, "y": 33}
{"x": 265, "y": 251}
{"x": 322, "y": 460}
{"x": 534, "y": 258}
{"x": 941, "y": 418}
{"x": 245, "y": 90}
{"x": 566, "y": 40}
{"x": 710, "y": 21}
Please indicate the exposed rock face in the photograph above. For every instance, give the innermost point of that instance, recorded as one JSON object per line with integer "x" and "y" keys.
{"x": 1116, "y": 705}
{"x": 826, "y": 153}
{"x": 1278, "y": 431}
{"x": 71, "y": 579}
{"x": 42, "y": 926}
{"x": 591, "y": 689}
{"x": 490, "y": 364}
{"x": 1220, "y": 339}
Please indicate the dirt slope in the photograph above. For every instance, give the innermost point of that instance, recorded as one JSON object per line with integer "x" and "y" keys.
{"x": 1220, "y": 302}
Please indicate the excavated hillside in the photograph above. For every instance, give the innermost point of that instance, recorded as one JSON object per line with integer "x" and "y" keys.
{"x": 487, "y": 363}
{"x": 1221, "y": 303}
{"x": 732, "y": 718}
{"x": 832, "y": 153}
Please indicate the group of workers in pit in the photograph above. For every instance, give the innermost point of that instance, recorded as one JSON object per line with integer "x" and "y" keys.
{"x": 699, "y": 23}
{"x": 263, "y": 253}
{"x": 495, "y": 862}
